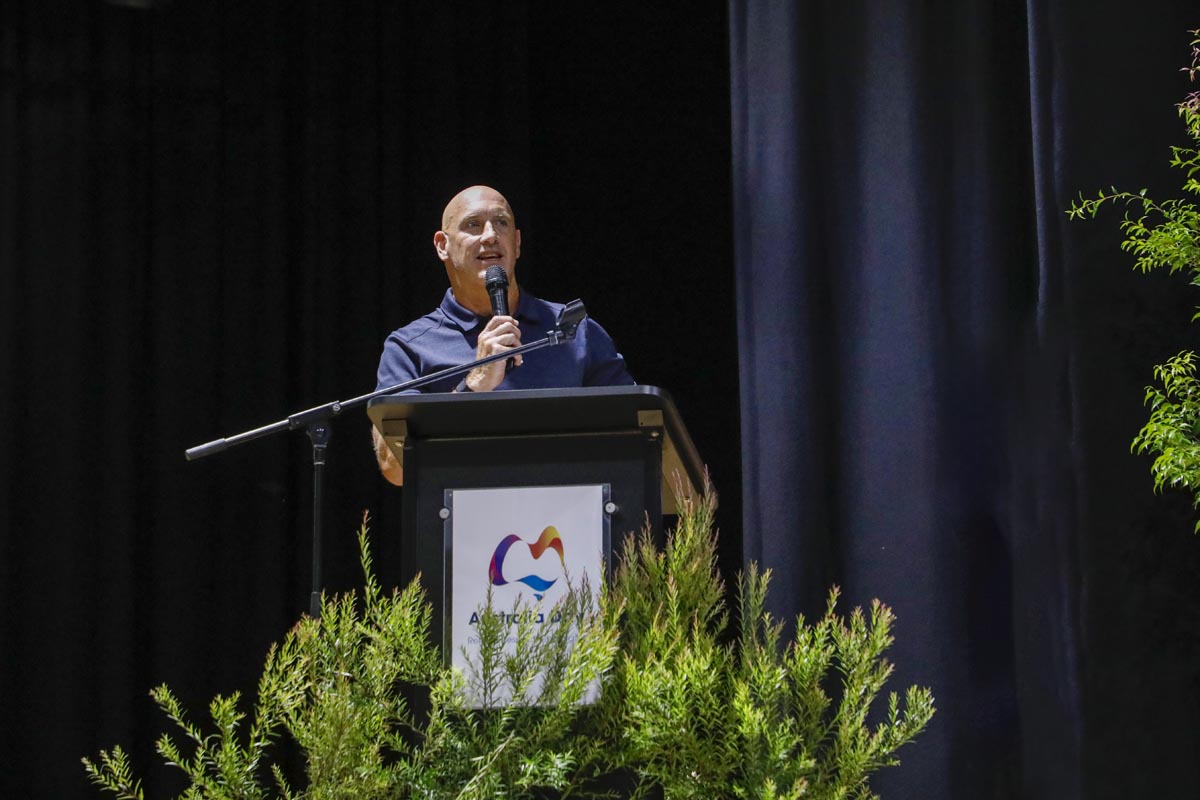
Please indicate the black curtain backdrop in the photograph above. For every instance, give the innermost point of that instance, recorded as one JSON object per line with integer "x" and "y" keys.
{"x": 212, "y": 214}
{"x": 938, "y": 413}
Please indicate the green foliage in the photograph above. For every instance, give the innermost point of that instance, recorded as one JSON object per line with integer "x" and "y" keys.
{"x": 688, "y": 701}
{"x": 748, "y": 718}
{"x": 524, "y": 738}
{"x": 1170, "y": 433}
{"x": 1166, "y": 235}
{"x": 334, "y": 686}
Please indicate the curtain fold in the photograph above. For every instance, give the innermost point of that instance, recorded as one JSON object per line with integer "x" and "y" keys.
{"x": 924, "y": 412}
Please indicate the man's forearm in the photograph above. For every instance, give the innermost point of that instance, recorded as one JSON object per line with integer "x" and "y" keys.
{"x": 388, "y": 465}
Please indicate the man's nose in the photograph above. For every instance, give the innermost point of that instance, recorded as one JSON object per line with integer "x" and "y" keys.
{"x": 489, "y": 232}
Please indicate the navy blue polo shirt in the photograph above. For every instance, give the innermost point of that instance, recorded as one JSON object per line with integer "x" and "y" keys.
{"x": 447, "y": 336}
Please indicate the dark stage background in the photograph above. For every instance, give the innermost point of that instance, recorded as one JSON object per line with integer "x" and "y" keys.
{"x": 940, "y": 415}
{"x": 848, "y": 215}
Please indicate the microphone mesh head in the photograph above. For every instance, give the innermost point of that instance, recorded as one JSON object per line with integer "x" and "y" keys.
{"x": 495, "y": 278}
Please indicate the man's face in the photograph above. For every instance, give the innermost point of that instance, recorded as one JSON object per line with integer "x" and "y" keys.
{"x": 478, "y": 231}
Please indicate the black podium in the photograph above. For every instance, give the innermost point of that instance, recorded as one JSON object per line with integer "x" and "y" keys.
{"x": 628, "y": 438}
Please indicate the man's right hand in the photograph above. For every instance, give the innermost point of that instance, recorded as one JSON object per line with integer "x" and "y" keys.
{"x": 499, "y": 335}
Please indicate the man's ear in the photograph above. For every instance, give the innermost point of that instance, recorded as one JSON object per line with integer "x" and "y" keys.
{"x": 518, "y": 243}
{"x": 440, "y": 243}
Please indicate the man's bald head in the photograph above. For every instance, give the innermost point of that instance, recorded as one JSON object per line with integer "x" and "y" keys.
{"x": 478, "y": 231}
{"x": 462, "y": 200}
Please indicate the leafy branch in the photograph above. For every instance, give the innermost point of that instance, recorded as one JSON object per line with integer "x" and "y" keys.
{"x": 749, "y": 718}
{"x": 1166, "y": 235}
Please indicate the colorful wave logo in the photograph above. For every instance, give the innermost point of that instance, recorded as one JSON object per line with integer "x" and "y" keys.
{"x": 549, "y": 540}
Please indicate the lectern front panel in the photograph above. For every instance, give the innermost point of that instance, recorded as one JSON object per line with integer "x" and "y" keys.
{"x": 627, "y": 461}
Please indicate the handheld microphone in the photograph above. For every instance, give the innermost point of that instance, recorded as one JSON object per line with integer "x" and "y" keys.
{"x": 495, "y": 280}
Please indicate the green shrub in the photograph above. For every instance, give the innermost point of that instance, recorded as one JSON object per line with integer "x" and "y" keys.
{"x": 688, "y": 703}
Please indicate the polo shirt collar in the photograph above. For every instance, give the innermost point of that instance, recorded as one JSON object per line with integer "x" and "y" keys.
{"x": 465, "y": 319}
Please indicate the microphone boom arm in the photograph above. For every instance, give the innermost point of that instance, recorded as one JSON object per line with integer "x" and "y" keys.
{"x": 316, "y": 421}
{"x": 564, "y": 329}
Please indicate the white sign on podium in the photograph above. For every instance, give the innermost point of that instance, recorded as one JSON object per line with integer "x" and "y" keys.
{"x": 522, "y": 542}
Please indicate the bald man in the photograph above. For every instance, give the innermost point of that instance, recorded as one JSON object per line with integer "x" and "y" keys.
{"x": 479, "y": 230}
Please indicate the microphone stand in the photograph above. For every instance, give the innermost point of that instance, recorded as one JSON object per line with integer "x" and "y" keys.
{"x": 316, "y": 421}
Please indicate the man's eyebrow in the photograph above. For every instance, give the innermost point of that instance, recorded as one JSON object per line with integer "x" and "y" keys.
{"x": 474, "y": 216}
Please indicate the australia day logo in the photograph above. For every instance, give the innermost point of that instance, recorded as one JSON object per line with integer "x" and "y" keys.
{"x": 507, "y": 562}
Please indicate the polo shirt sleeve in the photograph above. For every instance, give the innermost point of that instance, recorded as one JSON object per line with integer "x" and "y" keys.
{"x": 396, "y": 364}
{"x": 604, "y": 365}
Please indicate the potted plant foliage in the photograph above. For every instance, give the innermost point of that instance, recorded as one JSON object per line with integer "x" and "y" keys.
{"x": 690, "y": 704}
